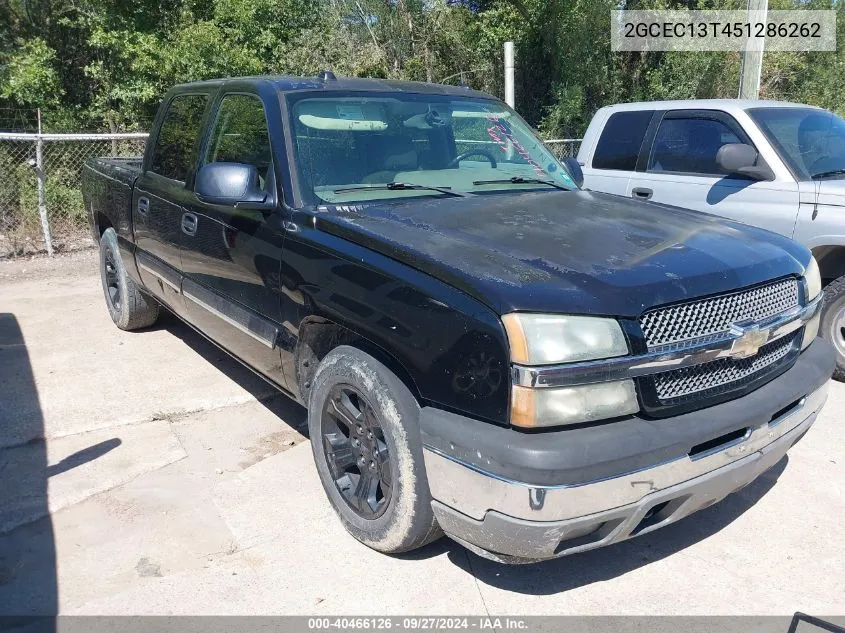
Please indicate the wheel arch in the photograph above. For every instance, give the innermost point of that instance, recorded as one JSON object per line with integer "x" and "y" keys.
{"x": 102, "y": 223}
{"x": 831, "y": 259}
{"x": 319, "y": 335}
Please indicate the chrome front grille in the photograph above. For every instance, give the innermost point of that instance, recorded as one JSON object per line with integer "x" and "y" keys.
{"x": 696, "y": 319}
{"x": 710, "y": 379}
{"x": 678, "y": 327}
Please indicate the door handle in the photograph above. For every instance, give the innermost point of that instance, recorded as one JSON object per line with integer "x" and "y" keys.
{"x": 143, "y": 205}
{"x": 189, "y": 224}
{"x": 642, "y": 193}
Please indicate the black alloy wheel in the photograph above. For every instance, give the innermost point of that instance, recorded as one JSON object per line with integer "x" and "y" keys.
{"x": 130, "y": 308}
{"x": 364, "y": 427}
{"x": 356, "y": 451}
{"x": 112, "y": 280}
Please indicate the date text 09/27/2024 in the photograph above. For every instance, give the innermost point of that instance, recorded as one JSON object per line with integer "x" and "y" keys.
{"x": 420, "y": 623}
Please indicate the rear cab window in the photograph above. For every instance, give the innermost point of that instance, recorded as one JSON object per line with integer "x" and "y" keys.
{"x": 621, "y": 139}
{"x": 175, "y": 150}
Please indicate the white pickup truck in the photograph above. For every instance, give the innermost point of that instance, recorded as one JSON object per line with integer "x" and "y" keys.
{"x": 779, "y": 166}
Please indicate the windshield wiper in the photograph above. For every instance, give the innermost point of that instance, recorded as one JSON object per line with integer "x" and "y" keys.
{"x": 519, "y": 180}
{"x": 825, "y": 174}
{"x": 402, "y": 186}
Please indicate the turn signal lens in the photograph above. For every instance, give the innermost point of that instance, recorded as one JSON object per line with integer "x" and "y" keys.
{"x": 540, "y": 408}
{"x": 811, "y": 331}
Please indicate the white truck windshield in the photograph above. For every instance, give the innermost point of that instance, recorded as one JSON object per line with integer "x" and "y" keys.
{"x": 809, "y": 140}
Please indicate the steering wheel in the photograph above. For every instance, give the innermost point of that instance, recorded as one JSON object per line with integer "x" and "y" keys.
{"x": 473, "y": 152}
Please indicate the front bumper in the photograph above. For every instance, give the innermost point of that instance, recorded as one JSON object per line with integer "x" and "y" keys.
{"x": 514, "y": 520}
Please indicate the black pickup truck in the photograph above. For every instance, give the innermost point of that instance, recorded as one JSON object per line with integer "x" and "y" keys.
{"x": 484, "y": 349}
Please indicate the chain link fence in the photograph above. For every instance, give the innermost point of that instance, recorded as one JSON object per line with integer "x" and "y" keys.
{"x": 41, "y": 206}
{"x": 564, "y": 147}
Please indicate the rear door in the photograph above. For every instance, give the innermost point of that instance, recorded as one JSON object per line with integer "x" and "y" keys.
{"x": 231, "y": 255}
{"x": 679, "y": 168}
{"x": 161, "y": 191}
{"x": 615, "y": 158}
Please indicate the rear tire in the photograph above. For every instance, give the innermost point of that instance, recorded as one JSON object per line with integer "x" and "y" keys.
{"x": 363, "y": 423}
{"x": 832, "y": 327}
{"x": 128, "y": 306}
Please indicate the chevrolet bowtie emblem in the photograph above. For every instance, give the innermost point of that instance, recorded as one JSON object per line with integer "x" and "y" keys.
{"x": 749, "y": 340}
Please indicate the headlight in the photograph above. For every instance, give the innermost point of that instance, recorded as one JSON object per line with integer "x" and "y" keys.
{"x": 535, "y": 408}
{"x": 812, "y": 279}
{"x": 543, "y": 339}
{"x": 813, "y": 285}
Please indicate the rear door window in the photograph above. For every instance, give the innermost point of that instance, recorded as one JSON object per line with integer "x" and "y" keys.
{"x": 620, "y": 141}
{"x": 174, "y": 154}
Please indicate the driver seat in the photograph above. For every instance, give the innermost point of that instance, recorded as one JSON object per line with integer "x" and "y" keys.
{"x": 397, "y": 154}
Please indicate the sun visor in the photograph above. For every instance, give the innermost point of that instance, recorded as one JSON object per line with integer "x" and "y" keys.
{"x": 349, "y": 116}
{"x": 479, "y": 114}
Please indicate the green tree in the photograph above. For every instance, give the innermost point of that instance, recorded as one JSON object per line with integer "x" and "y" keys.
{"x": 104, "y": 64}
{"x": 28, "y": 77}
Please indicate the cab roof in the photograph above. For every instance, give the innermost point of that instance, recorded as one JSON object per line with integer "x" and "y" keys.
{"x": 727, "y": 105}
{"x": 286, "y": 84}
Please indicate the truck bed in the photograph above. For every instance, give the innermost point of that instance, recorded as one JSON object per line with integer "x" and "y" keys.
{"x": 125, "y": 169}
{"x": 107, "y": 185}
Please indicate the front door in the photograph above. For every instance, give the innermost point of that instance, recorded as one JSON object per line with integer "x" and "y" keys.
{"x": 682, "y": 171}
{"x": 231, "y": 255}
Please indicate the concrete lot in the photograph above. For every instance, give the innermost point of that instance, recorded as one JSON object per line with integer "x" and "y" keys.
{"x": 149, "y": 473}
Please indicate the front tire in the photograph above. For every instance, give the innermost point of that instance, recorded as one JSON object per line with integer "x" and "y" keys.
{"x": 129, "y": 307}
{"x": 365, "y": 437}
{"x": 833, "y": 323}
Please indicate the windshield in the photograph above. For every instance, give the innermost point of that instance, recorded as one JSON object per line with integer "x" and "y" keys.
{"x": 810, "y": 141}
{"x": 354, "y": 148}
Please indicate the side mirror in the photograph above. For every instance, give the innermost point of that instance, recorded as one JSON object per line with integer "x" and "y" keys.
{"x": 742, "y": 159}
{"x": 232, "y": 184}
{"x": 575, "y": 171}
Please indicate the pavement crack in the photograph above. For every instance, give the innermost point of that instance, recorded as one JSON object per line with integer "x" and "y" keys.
{"x": 178, "y": 437}
{"x": 158, "y": 416}
{"x": 475, "y": 579}
{"x": 233, "y": 548}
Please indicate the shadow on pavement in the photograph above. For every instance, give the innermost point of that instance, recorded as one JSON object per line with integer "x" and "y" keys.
{"x": 28, "y": 583}
{"x": 28, "y": 580}
{"x": 82, "y": 457}
{"x": 283, "y": 407}
{"x": 571, "y": 572}
{"x": 28, "y": 577}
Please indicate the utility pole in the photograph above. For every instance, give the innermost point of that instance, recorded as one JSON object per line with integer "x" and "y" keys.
{"x": 509, "y": 90}
{"x": 752, "y": 56}
{"x": 41, "y": 188}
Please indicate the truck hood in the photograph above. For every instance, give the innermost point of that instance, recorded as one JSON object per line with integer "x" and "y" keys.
{"x": 569, "y": 252}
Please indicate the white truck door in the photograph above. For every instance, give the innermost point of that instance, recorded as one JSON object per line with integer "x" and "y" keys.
{"x": 681, "y": 170}
{"x": 610, "y": 149}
